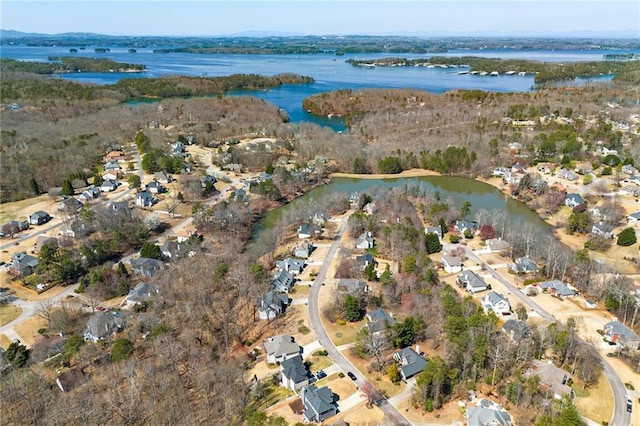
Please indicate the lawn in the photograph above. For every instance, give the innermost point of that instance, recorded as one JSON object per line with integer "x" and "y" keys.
{"x": 378, "y": 378}
{"x": 8, "y": 313}
{"x": 273, "y": 394}
{"x": 319, "y": 362}
{"x": 4, "y": 341}
{"x": 343, "y": 334}
{"x": 595, "y": 402}
{"x": 28, "y": 330}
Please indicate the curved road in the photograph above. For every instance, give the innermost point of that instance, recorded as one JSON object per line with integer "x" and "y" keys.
{"x": 620, "y": 415}
{"x": 391, "y": 413}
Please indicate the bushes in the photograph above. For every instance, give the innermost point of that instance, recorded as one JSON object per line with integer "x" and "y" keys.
{"x": 627, "y": 237}
{"x": 122, "y": 349}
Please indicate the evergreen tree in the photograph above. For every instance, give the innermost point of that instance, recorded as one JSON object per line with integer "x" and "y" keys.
{"x": 432, "y": 243}
{"x": 627, "y": 237}
{"x": 67, "y": 188}
{"x": 35, "y": 188}
{"x": 353, "y": 312}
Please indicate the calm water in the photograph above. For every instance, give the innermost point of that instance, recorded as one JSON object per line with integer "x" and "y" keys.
{"x": 329, "y": 71}
{"x": 458, "y": 189}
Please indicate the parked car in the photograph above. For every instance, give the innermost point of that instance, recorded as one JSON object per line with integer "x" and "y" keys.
{"x": 629, "y": 404}
{"x": 321, "y": 374}
{"x": 351, "y": 375}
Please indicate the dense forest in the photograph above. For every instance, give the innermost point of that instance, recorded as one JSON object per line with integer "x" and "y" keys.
{"x": 67, "y": 64}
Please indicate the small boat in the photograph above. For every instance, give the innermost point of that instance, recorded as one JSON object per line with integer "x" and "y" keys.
{"x": 483, "y": 73}
{"x": 510, "y": 73}
{"x": 494, "y": 73}
{"x": 462, "y": 72}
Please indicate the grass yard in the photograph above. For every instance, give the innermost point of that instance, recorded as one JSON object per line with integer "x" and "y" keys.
{"x": 8, "y": 313}
{"x": 300, "y": 290}
{"x": 378, "y": 378}
{"x": 343, "y": 334}
{"x": 4, "y": 341}
{"x": 28, "y": 330}
{"x": 595, "y": 402}
{"x": 273, "y": 394}
{"x": 319, "y": 362}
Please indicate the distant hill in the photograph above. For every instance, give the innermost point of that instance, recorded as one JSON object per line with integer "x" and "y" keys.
{"x": 20, "y": 34}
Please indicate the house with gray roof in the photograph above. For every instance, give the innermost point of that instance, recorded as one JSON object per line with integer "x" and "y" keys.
{"x": 557, "y": 288}
{"x": 281, "y": 347}
{"x": 140, "y": 294}
{"x": 319, "y": 403}
{"x": 411, "y": 362}
{"x": 516, "y": 330}
{"x": 379, "y": 320}
{"x": 365, "y": 260}
{"x": 305, "y": 231}
{"x": 303, "y": 250}
{"x": 451, "y": 264}
{"x": 145, "y": 199}
{"x": 38, "y": 218}
{"x": 171, "y": 249}
{"x": 146, "y": 266}
{"x": 553, "y": 380}
{"x": 481, "y": 416}
{"x": 293, "y": 373}
{"x": 602, "y": 229}
{"x": 434, "y": 230}
{"x": 365, "y": 241}
{"x": 573, "y": 200}
{"x": 23, "y": 264}
{"x": 634, "y": 218}
{"x": 496, "y": 303}
{"x": 283, "y": 281}
{"x": 111, "y": 166}
{"x": 162, "y": 177}
{"x": 295, "y": 266}
{"x": 471, "y": 281}
{"x": 464, "y": 225}
{"x": 271, "y": 305}
{"x": 351, "y": 286}
{"x": 69, "y": 205}
{"x": 103, "y": 325}
{"x": 44, "y": 240}
{"x": 524, "y": 265}
{"x": 617, "y": 332}
{"x": 108, "y": 185}
{"x": 497, "y": 245}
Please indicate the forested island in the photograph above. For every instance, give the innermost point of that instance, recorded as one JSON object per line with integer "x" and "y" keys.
{"x": 545, "y": 72}
{"x": 67, "y": 64}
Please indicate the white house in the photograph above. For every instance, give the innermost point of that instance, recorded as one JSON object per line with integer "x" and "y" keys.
{"x": 280, "y": 348}
{"x": 602, "y": 229}
{"x": 497, "y": 303}
{"x": 451, "y": 264}
{"x": 365, "y": 241}
{"x": 573, "y": 200}
{"x": 471, "y": 282}
{"x": 634, "y": 218}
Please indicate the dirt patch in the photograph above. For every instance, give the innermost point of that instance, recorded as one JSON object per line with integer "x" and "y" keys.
{"x": 8, "y": 313}
{"x": 4, "y": 341}
{"x": 361, "y": 415}
{"x": 341, "y": 386}
{"x": 28, "y": 330}
{"x": 406, "y": 173}
{"x": 448, "y": 414}
{"x": 378, "y": 378}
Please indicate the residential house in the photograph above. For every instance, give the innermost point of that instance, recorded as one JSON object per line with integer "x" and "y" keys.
{"x": 516, "y": 146}
{"x": 112, "y": 166}
{"x": 43, "y": 240}
{"x": 292, "y": 265}
{"x": 281, "y": 347}
{"x": 516, "y": 330}
{"x": 567, "y": 175}
{"x": 140, "y": 294}
{"x": 602, "y": 229}
{"x": 239, "y": 194}
{"x": 208, "y": 180}
{"x": 500, "y": 171}
{"x": 411, "y": 362}
{"x": 497, "y": 245}
{"x": 524, "y": 265}
{"x": 351, "y": 286}
{"x": 471, "y": 281}
{"x": 146, "y": 266}
{"x": 511, "y": 178}
{"x": 364, "y": 241}
{"x": 22, "y": 264}
{"x": 145, "y": 199}
{"x": 573, "y": 200}
{"x": 283, "y": 281}
{"x": 553, "y": 380}
{"x": 293, "y": 373}
{"x": 629, "y": 169}
{"x": 617, "y": 332}
{"x": 557, "y": 288}
{"x": 318, "y": 219}
{"x": 271, "y": 305}
{"x": 111, "y": 175}
{"x": 69, "y": 206}
{"x": 379, "y": 320}
{"x": 109, "y": 185}
{"x": 303, "y": 250}
{"x": 89, "y": 195}
{"x": 171, "y": 249}
{"x": 178, "y": 149}
{"x": 162, "y": 177}
{"x": 481, "y": 416}
{"x": 462, "y": 225}
{"x": 103, "y": 325}
{"x": 634, "y": 218}
{"x": 305, "y": 231}
{"x": 75, "y": 229}
{"x": 497, "y": 303}
{"x": 319, "y": 404}
{"x": 545, "y": 169}
{"x": 114, "y": 156}
{"x": 434, "y": 230}
{"x": 119, "y": 206}
{"x": 38, "y": 218}
{"x": 365, "y": 260}
{"x": 451, "y": 264}
{"x": 155, "y": 187}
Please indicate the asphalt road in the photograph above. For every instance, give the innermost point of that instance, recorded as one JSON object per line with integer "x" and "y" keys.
{"x": 387, "y": 408}
{"x": 620, "y": 415}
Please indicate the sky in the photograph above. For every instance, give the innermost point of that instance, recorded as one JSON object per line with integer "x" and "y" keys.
{"x": 329, "y": 17}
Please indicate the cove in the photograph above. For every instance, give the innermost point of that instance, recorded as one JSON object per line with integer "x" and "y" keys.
{"x": 458, "y": 189}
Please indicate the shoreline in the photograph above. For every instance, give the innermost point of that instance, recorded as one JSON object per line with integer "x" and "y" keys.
{"x": 403, "y": 174}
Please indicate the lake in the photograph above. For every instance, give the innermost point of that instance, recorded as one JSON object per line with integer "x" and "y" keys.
{"x": 329, "y": 71}
{"x": 458, "y": 189}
